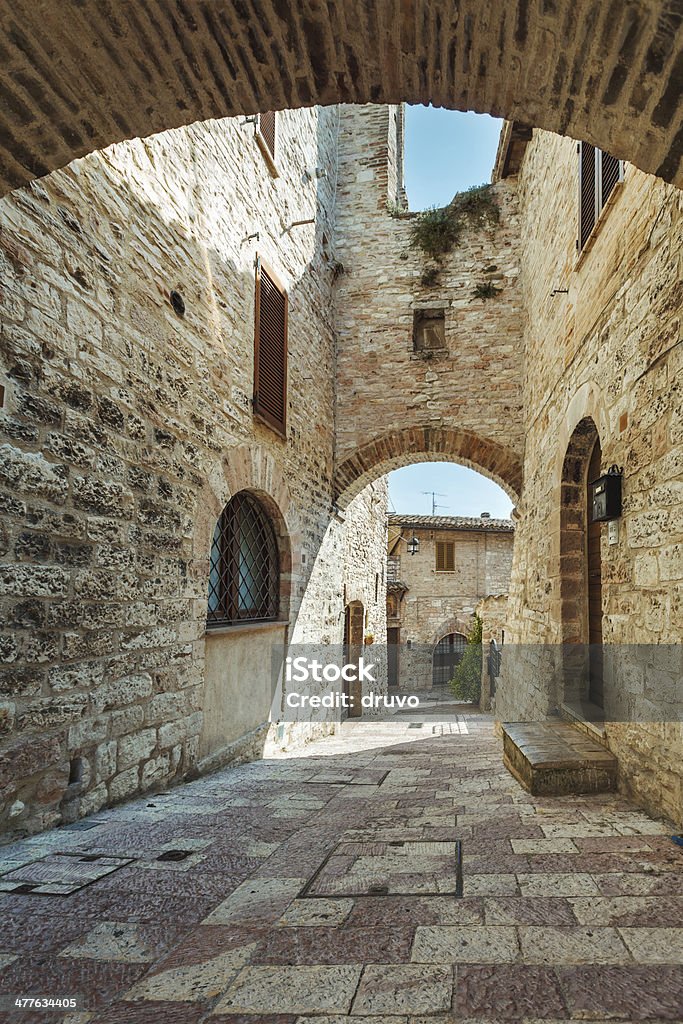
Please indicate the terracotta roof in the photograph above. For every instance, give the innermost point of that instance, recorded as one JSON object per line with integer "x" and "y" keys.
{"x": 452, "y": 523}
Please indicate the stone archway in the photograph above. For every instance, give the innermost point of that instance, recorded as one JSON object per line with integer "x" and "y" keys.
{"x": 248, "y": 468}
{"x": 427, "y": 444}
{"x": 79, "y": 75}
{"x": 456, "y": 625}
{"x": 580, "y": 573}
{"x": 447, "y": 653}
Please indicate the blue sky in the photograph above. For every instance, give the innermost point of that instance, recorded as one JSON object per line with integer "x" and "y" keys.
{"x": 462, "y": 491}
{"x": 446, "y": 152}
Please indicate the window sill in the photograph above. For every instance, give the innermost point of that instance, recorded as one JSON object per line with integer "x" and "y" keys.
{"x": 246, "y": 627}
{"x": 265, "y": 421}
{"x": 597, "y": 227}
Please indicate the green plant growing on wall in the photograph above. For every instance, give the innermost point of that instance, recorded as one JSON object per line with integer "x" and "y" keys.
{"x": 436, "y": 231}
{"x": 395, "y": 209}
{"x": 486, "y": 290}
{"x": 466, "y": 681}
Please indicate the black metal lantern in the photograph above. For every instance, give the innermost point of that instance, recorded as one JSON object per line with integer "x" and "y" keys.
{"x": 606, "y": 496}
{"x": 413, "y": 545}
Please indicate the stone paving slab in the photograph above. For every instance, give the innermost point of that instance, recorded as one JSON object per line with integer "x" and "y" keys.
{"x": 572, "y": 907}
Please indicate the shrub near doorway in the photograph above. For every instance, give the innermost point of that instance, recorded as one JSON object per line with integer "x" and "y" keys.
{"x": 466, "y": 681}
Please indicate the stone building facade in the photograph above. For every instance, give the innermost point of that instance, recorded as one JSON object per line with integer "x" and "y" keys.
{"x": 603, "y": 365}
{"x": 461, "y": 400}
{"x": 433, "y": 595}
{"x": 127, "y": 426}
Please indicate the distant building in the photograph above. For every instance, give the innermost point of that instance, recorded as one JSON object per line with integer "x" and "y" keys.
{"x": 432, "y": 595}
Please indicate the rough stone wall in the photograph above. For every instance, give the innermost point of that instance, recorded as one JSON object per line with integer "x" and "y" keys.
{"x": 79, "y": 74}
{"x": 493, "y": 613}
{"x": 126, "y": 428}
{"x": 609, "y": 350}
{"x": 438, "y": 603}
{"x": 395, "y": 405}
{"x": 435, "y": 599}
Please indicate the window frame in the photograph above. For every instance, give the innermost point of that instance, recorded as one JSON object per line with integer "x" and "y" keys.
{"x": 422, "y": 315}
{"x": 261, "y": 414}
{"x": 600, "y": 203}
{"x": 449, "y": 546}
{"x": 228, "y": 563}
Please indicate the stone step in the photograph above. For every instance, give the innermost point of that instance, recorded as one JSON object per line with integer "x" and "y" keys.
{"x": 554, "y": 758}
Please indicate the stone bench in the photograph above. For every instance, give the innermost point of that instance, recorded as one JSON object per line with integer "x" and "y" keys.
{"x": 554, "y": 758}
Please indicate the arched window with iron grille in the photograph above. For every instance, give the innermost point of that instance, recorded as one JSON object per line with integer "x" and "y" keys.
{"x": 244, "y": 571}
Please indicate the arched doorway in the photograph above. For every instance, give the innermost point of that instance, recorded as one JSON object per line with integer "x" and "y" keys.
{"x": 594, "y": 585}
{"x": 354, "y": 625}
{"x": 447, "y": 654}
{"x": 581, "y": 575}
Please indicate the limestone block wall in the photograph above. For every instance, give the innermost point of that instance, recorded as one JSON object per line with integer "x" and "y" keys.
{"x": 395, "y": 406}
{"x": 439, "y": 603}
{"x": 127, "y": 427}
{"x": 609, "y": 350}
{"x": 435, "y": 599}
{"x": 493, "y": 612}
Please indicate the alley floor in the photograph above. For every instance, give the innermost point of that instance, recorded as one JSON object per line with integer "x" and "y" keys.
{"x": 326, "y": 885}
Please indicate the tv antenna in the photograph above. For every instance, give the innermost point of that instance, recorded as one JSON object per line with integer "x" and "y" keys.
{"x": 435, "y": 504}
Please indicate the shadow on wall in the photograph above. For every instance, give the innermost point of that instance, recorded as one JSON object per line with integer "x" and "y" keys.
{"x": 119, "y": 406}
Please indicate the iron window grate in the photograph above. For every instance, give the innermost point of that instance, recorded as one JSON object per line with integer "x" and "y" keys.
{"x": 244, "y": 574}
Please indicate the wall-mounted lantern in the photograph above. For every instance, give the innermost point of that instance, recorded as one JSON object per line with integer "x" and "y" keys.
{"x": 606, "y": 496}
{"x": 413, "y": 545}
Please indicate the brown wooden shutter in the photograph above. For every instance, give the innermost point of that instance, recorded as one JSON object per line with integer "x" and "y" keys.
{"x": 445, "y": 556}
{"x": 266, "y": 126}
{"x": 270, "y": 350}
{"x": 587, "y": 191}
{"x": 610, "y": 174}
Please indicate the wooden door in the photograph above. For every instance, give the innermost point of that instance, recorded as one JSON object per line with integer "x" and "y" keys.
{"x": 393, "y": 640}
{"x": 594, "y": 566}
{"x": 354, "y": 622}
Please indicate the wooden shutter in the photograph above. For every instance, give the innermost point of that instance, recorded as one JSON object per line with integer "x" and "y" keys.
{"x": 266, "y": 127}
{"x": 587, "y": 191}
{"x": 610, "y": 174}
{"x": 270, "y": 350}
{"x": 445, "y": 556}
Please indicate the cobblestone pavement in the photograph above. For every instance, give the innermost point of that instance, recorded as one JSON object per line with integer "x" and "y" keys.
{"x": 324, "y": 886}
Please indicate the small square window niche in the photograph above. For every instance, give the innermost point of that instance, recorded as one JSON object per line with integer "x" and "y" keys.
{"x": 429, "y": 330}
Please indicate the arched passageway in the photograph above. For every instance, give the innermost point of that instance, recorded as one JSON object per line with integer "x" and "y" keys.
{"x": 79, "y": 75}
{"x": 428, "y": 444}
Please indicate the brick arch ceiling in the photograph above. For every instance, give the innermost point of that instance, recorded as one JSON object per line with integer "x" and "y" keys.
{"x": 77, "y": 75}
{"x": 427, "y": 444}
